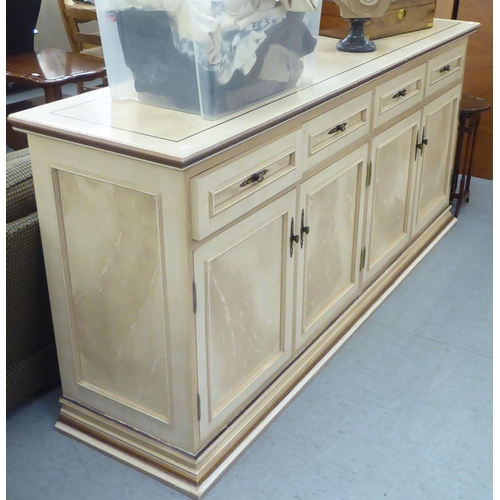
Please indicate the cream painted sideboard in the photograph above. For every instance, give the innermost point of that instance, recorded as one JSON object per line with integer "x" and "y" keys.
{"x": 200, "y": 273}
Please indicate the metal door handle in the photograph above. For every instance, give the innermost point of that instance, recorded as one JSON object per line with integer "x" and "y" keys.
{"x": 303, "y": 229}
{"x": 257, "y": 177}
{"x": 294, "y": 238}
{"x": 338, "y": 128}
{"x": 399, "y": 93}
{"x": 421, "y": 145}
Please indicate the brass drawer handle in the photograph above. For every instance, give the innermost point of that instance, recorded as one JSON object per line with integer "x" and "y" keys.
{"x": 399, "y": 93}
{"x": 401, "y": 14}
{"x": 338, "y": 128}
{"x": 257, "y": 177}
{"x": 444, "y": 69}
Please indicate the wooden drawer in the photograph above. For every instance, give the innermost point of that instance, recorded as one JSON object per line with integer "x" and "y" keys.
{"x": 445, "y": 69}
{"x": 398, "y": 94}
{"x": 337, "y": 128}
{"x": 242, "y": 183}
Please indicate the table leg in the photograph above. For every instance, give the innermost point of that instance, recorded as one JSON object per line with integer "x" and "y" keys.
{"x": 52, "y": 93}
{"x": 458, "y": 156}
{"x": 460, "y": 194}
{"x": 475, "y": 126}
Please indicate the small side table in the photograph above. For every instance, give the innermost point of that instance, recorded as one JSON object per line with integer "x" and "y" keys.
{"x": 53, "y": 68}
{"x": 468, "y": 123}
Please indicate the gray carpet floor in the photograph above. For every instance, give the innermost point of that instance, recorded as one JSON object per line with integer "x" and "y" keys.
{"x": 402, "y": 412}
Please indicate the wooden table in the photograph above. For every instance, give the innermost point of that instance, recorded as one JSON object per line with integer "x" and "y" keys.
{"x": 53, "y": 68}
{"x": 470, "y": 115}
{"x": 49, "y": 69}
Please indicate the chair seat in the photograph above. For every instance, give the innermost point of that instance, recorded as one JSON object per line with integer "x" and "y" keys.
{"x": 53, "y": 66}
{"x": 94, "y": 51}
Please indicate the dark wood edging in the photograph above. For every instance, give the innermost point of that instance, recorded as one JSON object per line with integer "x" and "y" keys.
{"x": 188, "y": 161}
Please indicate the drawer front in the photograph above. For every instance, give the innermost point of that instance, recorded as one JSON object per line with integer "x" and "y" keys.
{"x": 445, "y": 69}
{"x": 398, "y": 94}
{"x": 242, "y": 183}
{"x": 330, "y": 132}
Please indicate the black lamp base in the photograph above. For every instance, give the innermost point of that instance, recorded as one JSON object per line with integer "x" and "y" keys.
{"x": 356, "y": 40}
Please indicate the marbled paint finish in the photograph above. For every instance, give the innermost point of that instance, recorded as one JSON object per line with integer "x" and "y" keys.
{"x": 433, "y": 182}
{"x": 244, "y": 312}
{"x": 390, "y": 198}
{"x": 114, "y": 260}
{"x": 330, "y": 243}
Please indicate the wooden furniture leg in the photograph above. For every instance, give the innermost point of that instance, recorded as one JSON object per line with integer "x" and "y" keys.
{"x": 469, "y": 119}
{"x": 52, "y": 93}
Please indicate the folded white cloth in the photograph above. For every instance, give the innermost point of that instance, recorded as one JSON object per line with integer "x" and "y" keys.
{"x": 281, "y": 65}
{"x": 300, "y": 5}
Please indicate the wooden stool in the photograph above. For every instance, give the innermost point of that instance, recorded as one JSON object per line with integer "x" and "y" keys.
{"x": 53, "y": 68}
{"x": 468, "y": 123}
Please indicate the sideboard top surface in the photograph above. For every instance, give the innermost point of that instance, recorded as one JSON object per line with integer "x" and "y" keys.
{"x": 180, "y": 139}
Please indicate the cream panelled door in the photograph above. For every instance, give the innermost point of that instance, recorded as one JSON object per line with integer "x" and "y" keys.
{"x": 332, "y": 205}
{"x": 244, "y": 286}
{"x": 390, "y": 194}
{"x": 440, "y": 121}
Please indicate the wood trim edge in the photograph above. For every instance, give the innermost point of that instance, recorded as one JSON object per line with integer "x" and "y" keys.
{"x": 183, "y": 163}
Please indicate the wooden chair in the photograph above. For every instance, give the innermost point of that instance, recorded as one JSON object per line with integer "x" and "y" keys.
{"x": 74, "y": 15}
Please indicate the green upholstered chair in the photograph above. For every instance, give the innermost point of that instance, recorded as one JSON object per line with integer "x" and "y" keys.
{"x": 30, "y": 347}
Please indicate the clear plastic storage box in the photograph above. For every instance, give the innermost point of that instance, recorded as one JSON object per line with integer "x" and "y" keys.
{"x": 209, "y": 57}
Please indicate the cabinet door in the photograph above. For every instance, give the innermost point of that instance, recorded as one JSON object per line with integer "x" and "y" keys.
{"x": 328, "y": 269}
{"x": 440, "y": 122}
{"x": 390, "y": 194}
{"x": 244, "y": 285}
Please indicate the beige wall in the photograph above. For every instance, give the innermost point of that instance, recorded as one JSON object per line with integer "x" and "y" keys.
{"x": 444, "y": 8}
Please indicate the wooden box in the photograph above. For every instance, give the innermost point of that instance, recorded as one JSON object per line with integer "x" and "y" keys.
{"x": 402, "y": 16}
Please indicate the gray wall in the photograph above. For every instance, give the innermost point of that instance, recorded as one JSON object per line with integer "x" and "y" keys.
{"x": 51, "y": 33}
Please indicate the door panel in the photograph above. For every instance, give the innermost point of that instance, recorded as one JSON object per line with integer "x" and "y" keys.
{"x": 440, "y": 119}
{"x": 328, "y": 270}
{"x": 244, "y": 281}
{"x": 390, "y": 194}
